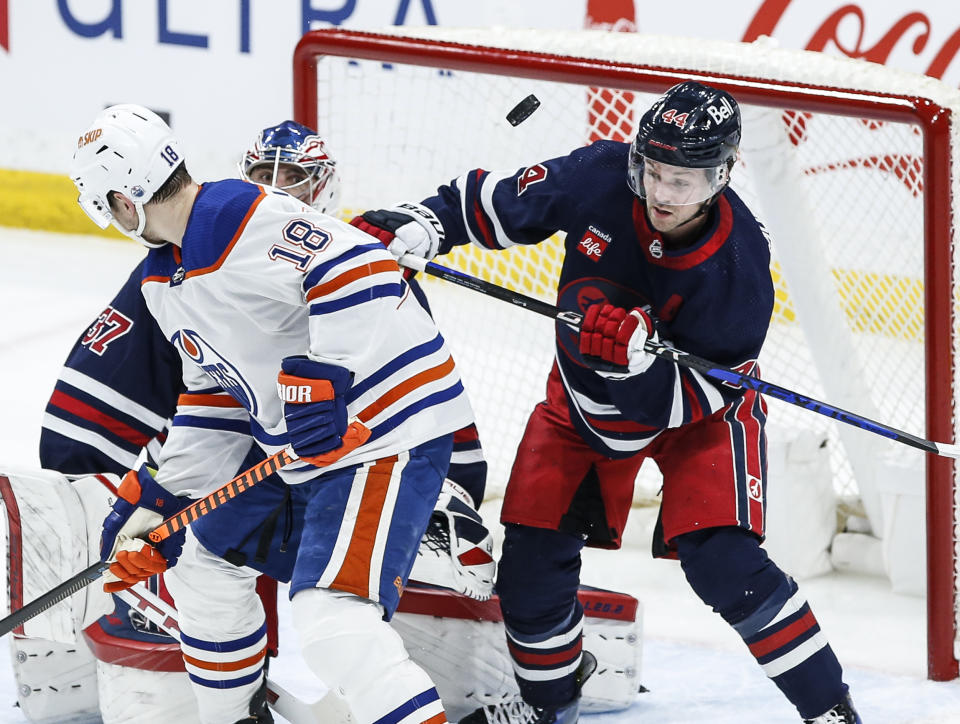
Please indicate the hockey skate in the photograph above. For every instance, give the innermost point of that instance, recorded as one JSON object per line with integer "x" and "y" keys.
{"x": 519, "y": 712}
{"x": 259, "y": 713}
{"x": 842, "y": 713}
{"x": 457, "y": 550}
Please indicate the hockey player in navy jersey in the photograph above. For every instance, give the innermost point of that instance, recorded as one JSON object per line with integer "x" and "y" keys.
{"x": 263, "y": 295}
{"x": 657, "y": 247}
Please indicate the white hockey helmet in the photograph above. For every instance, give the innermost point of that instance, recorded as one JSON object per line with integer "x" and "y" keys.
{"x": 128, "y": 149}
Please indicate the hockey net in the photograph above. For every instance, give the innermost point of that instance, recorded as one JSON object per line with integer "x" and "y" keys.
{"x": 850, "y": 165}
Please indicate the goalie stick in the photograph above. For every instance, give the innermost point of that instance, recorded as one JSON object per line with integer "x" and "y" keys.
{"x": 329, "y": 709}
{"x": 171, "y": 525}
{"x": 685, "y": 359}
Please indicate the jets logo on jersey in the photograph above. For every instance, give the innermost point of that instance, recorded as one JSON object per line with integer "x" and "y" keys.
{"x": 593, "y": 243}
{"x": 530, "y": 176}
{"x": 656, "y": 248}
{"x": 223, "y": 372}
{"x": 582, "y": 294}
{"x": 110, "y": 325}
{"x": 755, "y": 488}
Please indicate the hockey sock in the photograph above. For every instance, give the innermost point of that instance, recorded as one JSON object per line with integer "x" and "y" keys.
{"x": 537, "y": 583}
{"x": 349, "y": 646}
{"x": 730, "y": 572}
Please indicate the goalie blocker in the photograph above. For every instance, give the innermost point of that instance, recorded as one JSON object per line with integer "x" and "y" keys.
{"x": 458, "y": 640}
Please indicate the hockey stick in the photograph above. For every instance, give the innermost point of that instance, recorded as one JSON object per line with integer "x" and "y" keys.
{"x": 330, "y": 708}
{"x": 717, "y": 372}
{"x": 192, "y": 512}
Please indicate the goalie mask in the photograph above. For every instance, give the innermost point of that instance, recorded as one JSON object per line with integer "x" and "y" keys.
{"x": 293, "y": 157}
{"x": 686, "y": 146}
{"x": 128, "y": 149}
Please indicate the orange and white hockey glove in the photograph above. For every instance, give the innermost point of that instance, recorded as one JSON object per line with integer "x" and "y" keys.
{"x": 612, "y": 339}
{"x": 141, "y": 505}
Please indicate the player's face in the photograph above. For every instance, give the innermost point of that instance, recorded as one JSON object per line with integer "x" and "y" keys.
{"x": 674, "y": 194}
{"x": 290, "y": 177}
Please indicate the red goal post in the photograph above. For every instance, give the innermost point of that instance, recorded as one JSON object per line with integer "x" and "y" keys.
{"x": 899, "y": 325}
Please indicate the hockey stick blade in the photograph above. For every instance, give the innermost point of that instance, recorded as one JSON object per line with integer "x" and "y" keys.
{"x": 717, "y": 372}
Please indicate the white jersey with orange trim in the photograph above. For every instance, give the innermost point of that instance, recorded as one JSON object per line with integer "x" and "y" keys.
{"x": 261, "y": 276}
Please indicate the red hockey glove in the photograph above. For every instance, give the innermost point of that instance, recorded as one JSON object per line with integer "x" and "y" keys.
{"x": 142, "y": 504}
{"x": 611, "y": 340}
{"x": 404, "y": 229}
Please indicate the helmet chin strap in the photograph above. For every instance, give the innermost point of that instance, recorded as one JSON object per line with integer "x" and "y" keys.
{"x": 136, "y": 234}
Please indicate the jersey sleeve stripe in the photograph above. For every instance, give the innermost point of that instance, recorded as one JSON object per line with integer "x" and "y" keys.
{"x": 405, "y": 388}
{"x": 502, "y": 241}
{"x": 212, "y": 423}
{"x": 73, "y": 432}
{"x": 460, "y": 186}
{"x": 366, "y": 295}
{"x": 338, "y": 282}
{"x": 480, "y": 218}
{"x": 237, "y": 234}
{"x": 113, "y": 398}
{"x": 317, "y": 273}
{"x": 89, "y": 413}
{"x": 190, "y": 399}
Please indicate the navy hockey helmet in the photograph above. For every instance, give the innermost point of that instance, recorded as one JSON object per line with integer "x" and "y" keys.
{"x": 296, "y": 145}
{"x": 690, "y": 126}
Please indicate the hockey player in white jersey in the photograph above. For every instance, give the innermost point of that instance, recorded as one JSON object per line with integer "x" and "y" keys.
{"x": 260, "y": 293}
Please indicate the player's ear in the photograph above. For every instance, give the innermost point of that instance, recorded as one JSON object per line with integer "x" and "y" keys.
{"x": 120, "y": 204}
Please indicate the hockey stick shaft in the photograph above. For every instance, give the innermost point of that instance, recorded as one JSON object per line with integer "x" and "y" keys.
{"x": 357, "y": 435}
{"x": 714, "y": 371}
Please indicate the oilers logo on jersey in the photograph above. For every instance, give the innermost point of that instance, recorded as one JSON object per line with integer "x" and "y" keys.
{"x": 218, "y": 367}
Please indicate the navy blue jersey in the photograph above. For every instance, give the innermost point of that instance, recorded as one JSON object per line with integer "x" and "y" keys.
{"x": 116, "y": 393}
{"x": 713, "y": 298}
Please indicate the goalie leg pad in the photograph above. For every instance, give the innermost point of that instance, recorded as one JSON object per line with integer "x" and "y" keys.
{"x": 346, "y": 643}
{"x": 56, "y": 682}
{"x": 460, "y": 642}
{"x": 52, "y": 530}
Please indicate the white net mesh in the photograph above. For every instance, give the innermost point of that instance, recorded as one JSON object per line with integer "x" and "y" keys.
{"x": 841, "y": 192}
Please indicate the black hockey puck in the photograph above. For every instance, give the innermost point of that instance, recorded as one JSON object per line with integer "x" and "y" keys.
{"x": 521, "y": 112}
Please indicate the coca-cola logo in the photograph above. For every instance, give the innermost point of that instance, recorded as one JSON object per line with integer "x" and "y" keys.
{"x": 844, "y": 31}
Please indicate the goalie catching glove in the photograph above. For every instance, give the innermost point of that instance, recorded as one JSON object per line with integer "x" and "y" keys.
{"x": 404, "y": 229}
{"x": 456, "y": 550}
{"x": 612, "y": 339}
{"x": 141, "y": 505}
